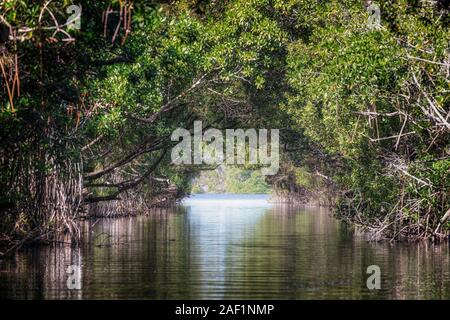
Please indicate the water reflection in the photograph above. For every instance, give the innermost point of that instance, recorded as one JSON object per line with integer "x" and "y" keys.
{"x": 227, "y": 248}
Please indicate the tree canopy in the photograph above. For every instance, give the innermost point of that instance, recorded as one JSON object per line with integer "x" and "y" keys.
{"x": 87, "y": 113}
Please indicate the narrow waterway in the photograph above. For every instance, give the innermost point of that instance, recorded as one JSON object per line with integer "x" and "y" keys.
{"x": 227, "y": 247}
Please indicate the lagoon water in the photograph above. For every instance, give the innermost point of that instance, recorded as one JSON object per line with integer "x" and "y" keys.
{"x": 227, "y": 247}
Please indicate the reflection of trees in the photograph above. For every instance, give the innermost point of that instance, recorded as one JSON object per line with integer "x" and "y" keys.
{"x": 122, "y": 258}
{"x": 40, "y": 273}
{"x": 233, "y": 251}
{"x": 292, "y": 254}
{"x": 306, "y": 253}
{"x": 419, "y": 271}
{"x": 145, "y": 257}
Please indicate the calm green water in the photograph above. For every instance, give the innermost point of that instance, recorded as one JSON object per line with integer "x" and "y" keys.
{"x": 227, "y": 247}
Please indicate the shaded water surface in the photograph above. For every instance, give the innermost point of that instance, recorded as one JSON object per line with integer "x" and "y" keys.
{"x": 227, "y": 247}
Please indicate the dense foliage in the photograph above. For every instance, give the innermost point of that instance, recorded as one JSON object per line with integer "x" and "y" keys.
{"x": 87, "y": 113}
{"x": 377, "y": 100}
{"x": 227, "y": 179}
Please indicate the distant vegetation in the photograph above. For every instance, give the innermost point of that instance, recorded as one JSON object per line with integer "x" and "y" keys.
{"x": 230, "y": 180}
